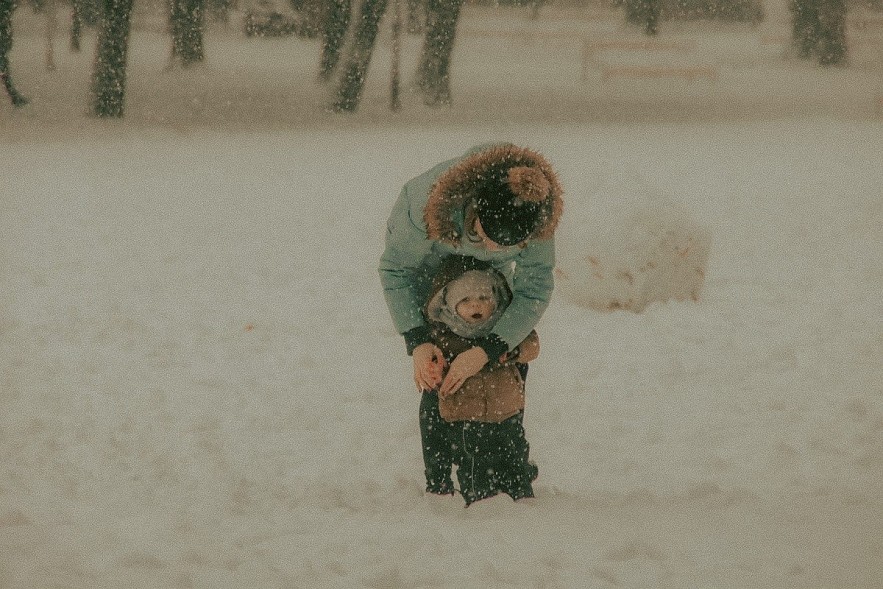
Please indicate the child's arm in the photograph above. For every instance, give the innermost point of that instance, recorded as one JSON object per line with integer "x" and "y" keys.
{"x": 526, "y": 351}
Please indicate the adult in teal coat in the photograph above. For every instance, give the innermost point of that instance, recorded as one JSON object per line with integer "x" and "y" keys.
{"x": 499, "y": 203}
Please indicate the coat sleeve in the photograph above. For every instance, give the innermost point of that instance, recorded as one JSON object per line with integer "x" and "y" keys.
{"x": 406, "y": 249}
{"x": 529, "y": 349}
{"x": 532, "y": 286}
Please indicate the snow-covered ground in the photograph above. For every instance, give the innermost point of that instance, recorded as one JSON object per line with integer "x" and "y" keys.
{"x": 200, "y": 386}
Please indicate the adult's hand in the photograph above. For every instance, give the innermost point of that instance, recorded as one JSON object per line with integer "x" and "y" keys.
{"x": 428, "y": 367}
{"x": 464, "y": 365}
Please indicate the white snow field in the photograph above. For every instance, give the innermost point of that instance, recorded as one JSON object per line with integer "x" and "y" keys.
{"x": 200, "y": 385}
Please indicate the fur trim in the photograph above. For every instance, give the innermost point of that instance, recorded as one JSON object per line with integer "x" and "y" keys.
{"x": 529, "y": 184}
{"x": 530, "y": 176}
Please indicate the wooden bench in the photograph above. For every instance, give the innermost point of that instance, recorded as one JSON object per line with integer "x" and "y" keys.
{"x": 689, "y": 73}
{"x": 591, "y": 47}
{"x": 531, "y": 35}
{"x": 850, "y": 41}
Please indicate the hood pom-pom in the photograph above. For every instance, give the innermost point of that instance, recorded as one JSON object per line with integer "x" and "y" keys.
{"x": 529, "y": 184}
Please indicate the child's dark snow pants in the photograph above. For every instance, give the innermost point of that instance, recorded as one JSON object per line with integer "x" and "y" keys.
{"x": 435, "y": 436}
{"x": 490, "y": 457}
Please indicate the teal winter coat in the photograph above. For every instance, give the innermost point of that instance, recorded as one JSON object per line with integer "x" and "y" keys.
{"x": 427, "y": 224}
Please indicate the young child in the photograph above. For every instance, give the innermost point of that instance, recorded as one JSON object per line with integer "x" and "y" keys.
{"x": 479, "y": 427}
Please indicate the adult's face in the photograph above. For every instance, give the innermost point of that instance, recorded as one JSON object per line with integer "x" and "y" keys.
{"x": 488, "y": 243}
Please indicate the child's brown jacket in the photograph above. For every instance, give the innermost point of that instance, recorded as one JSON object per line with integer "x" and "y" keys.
{"x": 493, "y": 395}
{"x": 496, "y": 393}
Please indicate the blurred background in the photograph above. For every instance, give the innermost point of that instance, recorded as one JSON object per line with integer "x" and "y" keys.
{"x": 299, "y": 62}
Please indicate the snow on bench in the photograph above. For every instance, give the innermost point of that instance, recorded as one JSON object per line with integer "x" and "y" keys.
{"x": 689, "y": 73}
{"x": 591, "y": 48}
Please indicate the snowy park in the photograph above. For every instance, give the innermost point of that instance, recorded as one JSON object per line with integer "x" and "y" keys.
{"x": 201, "y": 386}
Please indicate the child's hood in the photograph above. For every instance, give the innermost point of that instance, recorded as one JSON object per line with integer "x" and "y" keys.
{"x": 458, "y": 278}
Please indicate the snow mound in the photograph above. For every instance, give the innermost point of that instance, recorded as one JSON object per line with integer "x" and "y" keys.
{"x": 658, "y": 253}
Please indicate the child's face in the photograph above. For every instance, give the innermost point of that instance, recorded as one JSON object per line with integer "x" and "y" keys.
{"x": 476, "y": 308}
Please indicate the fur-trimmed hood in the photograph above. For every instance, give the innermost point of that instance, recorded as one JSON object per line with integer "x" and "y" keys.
{"x": 457, "y": 185}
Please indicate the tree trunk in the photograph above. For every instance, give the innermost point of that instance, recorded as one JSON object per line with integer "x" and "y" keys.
{"x": 819, "y": 30}
{"x": 395, "y": 103}
{"x": 84, "y": 13}
{"x": 51, "y": 9}
{"x": 644, "y": 13}
{"x": 335, "y": 23}
{"x": 832, "y": 37}
{"x": 187, "y": 23}
{"x": 804, "y": 26}
{"x": 433, "y": 72}
{"x": 415, "y": 17}
{"x": 109, "y": 71}
{"x": 6, "y": 8}
{"x": 358, "y": 57}
{"x": 76, "y": 24}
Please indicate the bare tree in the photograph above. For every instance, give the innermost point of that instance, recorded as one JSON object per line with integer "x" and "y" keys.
{"x": 335, "y": 22}
{"x": 433, "y": 71}
{"x": 109, "y": 70}
{"x": 395, "y": 102}
{"x": 819, "y": 30}
{"x": 357, "y": 58}
{"x": 415, "y": 16}
{"x": 76, "y": 24}
{"x": 644, "y": 13}
{"x": 83, "y": 13}
{"x": 187, "y": 23}
{"x": 6, "y": 8}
